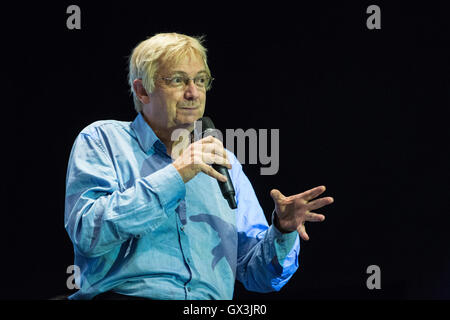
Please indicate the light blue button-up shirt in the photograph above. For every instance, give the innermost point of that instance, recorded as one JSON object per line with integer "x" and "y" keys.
{"x": 138, "y": 229}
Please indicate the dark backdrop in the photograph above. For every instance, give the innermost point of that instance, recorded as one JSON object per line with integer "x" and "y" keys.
{"x": 361, "y": 111}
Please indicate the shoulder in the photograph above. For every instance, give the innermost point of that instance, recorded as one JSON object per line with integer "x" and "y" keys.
{"x": 104, "y": 128}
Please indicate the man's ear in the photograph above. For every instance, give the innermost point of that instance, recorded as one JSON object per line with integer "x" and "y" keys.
{"x": 140, "y": 91}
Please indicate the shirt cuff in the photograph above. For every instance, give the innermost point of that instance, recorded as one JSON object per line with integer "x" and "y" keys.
{"x": 168, "y": 185}
{"x": 283, "y": 242}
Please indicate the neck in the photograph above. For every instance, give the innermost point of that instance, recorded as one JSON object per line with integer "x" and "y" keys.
{"x": 176, "y": 147}
{"x": 165, "y": 135}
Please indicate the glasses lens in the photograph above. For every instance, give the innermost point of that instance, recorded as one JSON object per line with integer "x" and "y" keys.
{"x": 177, "y": 81}
{"x": 202, "y": 81}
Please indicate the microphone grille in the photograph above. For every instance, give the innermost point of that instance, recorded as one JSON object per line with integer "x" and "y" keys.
{"x": 203, "y": 128}
{"x": 207, "y": 123}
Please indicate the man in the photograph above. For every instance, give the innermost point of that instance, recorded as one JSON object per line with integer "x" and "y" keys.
{"x": 151, "y": 223}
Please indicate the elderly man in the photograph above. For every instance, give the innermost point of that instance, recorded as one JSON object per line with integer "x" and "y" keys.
{"x": 146, "y": 222}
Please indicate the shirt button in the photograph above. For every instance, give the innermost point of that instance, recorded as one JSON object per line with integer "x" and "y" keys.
{"x": 188, "y": 260}
{"x": 189, "y": 289}
{"x": 182, "y": 229}
{"x": 280, "y": 240}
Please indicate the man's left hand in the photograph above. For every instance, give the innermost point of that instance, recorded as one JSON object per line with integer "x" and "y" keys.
{"x": 293, "y": 211}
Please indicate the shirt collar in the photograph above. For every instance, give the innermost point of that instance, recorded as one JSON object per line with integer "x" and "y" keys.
{"x": 145, "y": 134}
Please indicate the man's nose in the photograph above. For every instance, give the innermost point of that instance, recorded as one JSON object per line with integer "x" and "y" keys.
{"x": 191, "y": 91}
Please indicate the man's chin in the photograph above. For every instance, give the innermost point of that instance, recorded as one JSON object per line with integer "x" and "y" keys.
{"x": 187, "y": 122}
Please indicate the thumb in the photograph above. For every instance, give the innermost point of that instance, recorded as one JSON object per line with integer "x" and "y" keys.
{"x": 276, "y": 195}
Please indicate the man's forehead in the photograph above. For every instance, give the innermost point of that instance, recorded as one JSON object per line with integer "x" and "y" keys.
{"x": 186, "y": 64}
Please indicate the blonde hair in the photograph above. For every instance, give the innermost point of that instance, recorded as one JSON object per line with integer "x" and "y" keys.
{"x": 148, "y": 56}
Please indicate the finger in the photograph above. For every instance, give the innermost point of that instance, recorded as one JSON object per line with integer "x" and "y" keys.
{"x": 210, "y": 140}
{"x": 314, "y": 217}
{"x": 207, "y": 139}
{"x": 198, "y": 157}
{"x": 277, "y": 196}
{"x": 218, "y": 142}
{"x": 311, "y": 193}
{"x": 219, "y": 148}
{"x": 319, "y": 203}
{"x": 215, "y": 148}
{"x": 216, "y": 159}
{"x": 212, "y": 173}
{"x": 201, "y": 144}
{"x": 302, "y": 232}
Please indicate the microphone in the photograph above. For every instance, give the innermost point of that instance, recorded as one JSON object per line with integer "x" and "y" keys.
{"x": 205, "y": 127}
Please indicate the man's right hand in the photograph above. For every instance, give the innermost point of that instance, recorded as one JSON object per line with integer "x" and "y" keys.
{"x": 199, "y": 155}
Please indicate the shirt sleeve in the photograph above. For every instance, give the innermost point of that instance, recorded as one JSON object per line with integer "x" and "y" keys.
{"x": 98, "y": 215}
{"x": 267, "y": 258}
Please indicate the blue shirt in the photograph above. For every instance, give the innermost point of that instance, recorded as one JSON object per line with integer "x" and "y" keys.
{"x": 138, "y": 229}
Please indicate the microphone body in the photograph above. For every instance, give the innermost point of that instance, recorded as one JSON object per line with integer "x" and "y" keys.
{"x": 227, "y": 187}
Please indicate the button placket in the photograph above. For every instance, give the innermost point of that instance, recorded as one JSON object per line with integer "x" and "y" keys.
{"x": 184, "y": 244}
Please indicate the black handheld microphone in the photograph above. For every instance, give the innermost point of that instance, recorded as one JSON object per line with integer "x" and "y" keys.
{"x": 207, "y": 128}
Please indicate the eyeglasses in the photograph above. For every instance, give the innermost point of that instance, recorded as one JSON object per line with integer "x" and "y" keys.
{"x": 181, "y": 81}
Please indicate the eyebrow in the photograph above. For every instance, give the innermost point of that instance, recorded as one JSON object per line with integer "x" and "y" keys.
{"x": 182, "y": 72}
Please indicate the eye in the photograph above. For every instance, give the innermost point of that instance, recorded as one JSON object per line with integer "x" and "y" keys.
{"x": 177, "y": 80}
{"x": 201, "y": 80}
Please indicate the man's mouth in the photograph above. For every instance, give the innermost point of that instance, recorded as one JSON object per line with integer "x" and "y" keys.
{"x": 189, "y": 108}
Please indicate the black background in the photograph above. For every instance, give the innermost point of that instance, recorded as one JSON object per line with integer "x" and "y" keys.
{"x": 361, "y": 111}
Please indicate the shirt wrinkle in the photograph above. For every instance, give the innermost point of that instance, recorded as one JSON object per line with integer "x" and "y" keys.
{"x": 143, "y": 232}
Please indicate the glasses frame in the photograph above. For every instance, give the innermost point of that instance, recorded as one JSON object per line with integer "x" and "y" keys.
{"x": 187, "y": 79}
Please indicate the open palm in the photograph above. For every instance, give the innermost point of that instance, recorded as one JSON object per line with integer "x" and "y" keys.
{"x": 295, "y": 210}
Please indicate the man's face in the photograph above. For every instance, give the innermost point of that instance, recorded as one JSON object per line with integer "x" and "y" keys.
{"x": 176, "y": 107}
